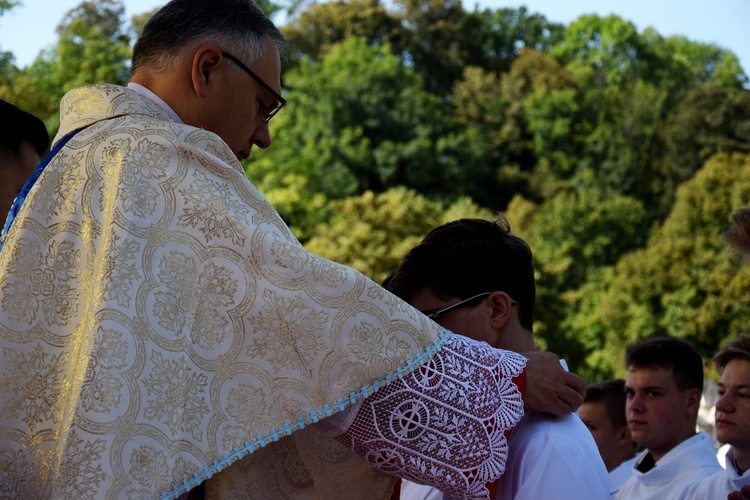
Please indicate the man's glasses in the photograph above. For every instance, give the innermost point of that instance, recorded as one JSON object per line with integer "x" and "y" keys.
{"x": 471, "y": 301}
{"x": 279, "y": 102}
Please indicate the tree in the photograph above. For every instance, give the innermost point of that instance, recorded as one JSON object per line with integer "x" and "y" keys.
{"x": 138, "y": 21}
{"x": 605, "y": 52}
{"x": 373, "y": 232}
{"x": 439, "y": 40}
{"x": 505, "y": 32}
{"x": 93, "y": 47}
{"x": 322, "y": 25}
{"x": 6, "y": 5}
{"x": 541, "y": 98}
{"x": 362, "y": 121}
{"x": 11, "y": 86}
{"x": 687, "y": 64}
{"x": 632, "y": 88}
{"x": 573, "y": 236}
{"x": 614, "y": 66}
{"x": 551, "y": 116}
{"x": 709, "y": 120}
{"x": 686, "y": 282}
{"x": 301, "y": 208}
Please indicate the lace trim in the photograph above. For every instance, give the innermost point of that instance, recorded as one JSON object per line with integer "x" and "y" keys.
{"x": 445, "y": 423}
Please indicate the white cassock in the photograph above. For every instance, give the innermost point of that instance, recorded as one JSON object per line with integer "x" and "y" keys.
{"x": 620, "y": 475}
{"x": 549, "y": 457}
{"x": 719, "y": 485}
{"x": 160, "y": 327}
{"x": 690, "y": 461}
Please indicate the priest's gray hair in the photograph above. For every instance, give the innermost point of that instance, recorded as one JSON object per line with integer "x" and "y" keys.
{"x": 237, "y": 26}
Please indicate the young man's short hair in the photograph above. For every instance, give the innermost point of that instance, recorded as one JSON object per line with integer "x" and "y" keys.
{"x": 672, "y": 353}
{"x": 465, "y": 258}
{"x": 17, "y": 126}
{"x": 738, "y": 348}
{"x": 612, "y": 393}
{"x": 738, "y": 234}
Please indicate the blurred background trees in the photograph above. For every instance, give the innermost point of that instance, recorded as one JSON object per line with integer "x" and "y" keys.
{"x": 619, "y": 155}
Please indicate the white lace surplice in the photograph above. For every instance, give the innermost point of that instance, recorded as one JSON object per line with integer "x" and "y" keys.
{"x": 445, "y": 423}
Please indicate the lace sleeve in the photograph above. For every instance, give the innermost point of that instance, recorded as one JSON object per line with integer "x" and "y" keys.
{"x": 445, "y": 423}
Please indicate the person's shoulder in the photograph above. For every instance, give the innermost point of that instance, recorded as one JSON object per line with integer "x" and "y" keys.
{"x": 714, "y": 486}
{"x": 626, "y": 488}
{"x": 414, "y": 491}
{"x": 698, "y": 452}
{"x": 569, "y": 425}
{"x": 624, "y": 471}
{"x": 563, "y": 436}
{"x": 555, "y": 452}
{"x": 534, "y": 426}
{"x": 620, "y": 475}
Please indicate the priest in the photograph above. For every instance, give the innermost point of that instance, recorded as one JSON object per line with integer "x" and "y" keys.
{"x": 163, "y": 333}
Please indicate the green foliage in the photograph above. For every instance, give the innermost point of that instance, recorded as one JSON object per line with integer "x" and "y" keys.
{"x": 633, "y": 86}
{"x": 550, "y": 117}
{"x": 708, "y": 120}
{"x": 686, "y": 60}
{"x": 728, "y": 73}
{"x": 477, "y": 101}
{"x": 300, "y": 208}
{"x": 322, "y": 25}
{"x": 574, "y": 236}
{"x": 506, "y": 31}
{"x": 439, "y": 40}
{"x": 139, "y": 21}
{"x": 362, "y": 121}
{"x": 579, "y": 230}
{"x": 542, "y": 107}
{"x": 93, "y": 47}
{"x": 373, "y": 232}
{"x": 7, "y": 5}
{"x": 685, "y": 282}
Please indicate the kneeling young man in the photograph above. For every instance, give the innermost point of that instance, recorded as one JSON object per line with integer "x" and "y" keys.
{"x": 475, "y": 278}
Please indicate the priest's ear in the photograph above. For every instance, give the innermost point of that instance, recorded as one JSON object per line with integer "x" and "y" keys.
{"x": 204, "y": 67}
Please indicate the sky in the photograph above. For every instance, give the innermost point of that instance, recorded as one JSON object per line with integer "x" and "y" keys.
{"x": 30, "y": 27}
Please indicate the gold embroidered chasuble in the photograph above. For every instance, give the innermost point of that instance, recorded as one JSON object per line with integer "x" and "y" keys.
{"x": 159, "y": 321}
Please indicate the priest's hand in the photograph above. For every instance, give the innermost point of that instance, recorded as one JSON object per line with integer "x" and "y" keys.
{"x": 549, "y": 388}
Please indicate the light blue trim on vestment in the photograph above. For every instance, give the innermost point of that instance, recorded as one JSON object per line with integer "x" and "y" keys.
{"x": 314, "y": 416}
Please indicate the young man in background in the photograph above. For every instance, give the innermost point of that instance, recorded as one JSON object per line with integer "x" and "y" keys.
{"x": 23, "y": 141}
{"x": 603, "y": 412}
{"x": 663, "y": 387}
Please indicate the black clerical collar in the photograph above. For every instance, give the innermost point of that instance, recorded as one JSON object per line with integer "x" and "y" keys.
{"x": 646, "y": 464}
